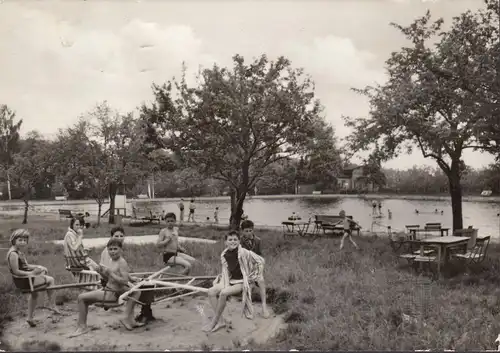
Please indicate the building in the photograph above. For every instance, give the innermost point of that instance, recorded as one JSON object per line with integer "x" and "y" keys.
{"x": 353, "y": 178}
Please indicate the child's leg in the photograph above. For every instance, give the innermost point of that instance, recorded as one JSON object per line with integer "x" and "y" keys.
{"x": 128, "y": 320}
{"x": 179, "y": 260}
{"x": 221, "y": 305}
{"x": 84, "y": 300}
{"x": 343, "y": 239}
{"x": 353, "y": 242}
{"x": 50, "y": 294}
{"x": 31, "y": 307}
{"x": 186, "y": 257}
{"x": 262, "y": 289}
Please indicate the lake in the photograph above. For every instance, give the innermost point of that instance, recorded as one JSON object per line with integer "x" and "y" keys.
{"x": 271, "y": 211}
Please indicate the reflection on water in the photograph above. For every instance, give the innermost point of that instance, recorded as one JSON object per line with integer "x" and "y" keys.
{"x": 272, "y": 212}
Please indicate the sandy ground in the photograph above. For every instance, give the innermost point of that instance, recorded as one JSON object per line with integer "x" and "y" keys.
{"x": 178, "y": 327}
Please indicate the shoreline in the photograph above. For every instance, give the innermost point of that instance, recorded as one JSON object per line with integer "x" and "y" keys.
{"x": 469, "y": 198}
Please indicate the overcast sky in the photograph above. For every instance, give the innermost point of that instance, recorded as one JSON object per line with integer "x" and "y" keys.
{"x": 59, "y": 58}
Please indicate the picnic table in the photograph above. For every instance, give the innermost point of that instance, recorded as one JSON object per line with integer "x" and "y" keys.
{"x": 297, "y": 227}
{"x": 443, "y": 244}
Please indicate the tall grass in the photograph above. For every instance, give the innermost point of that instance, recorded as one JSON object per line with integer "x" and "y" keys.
{"x": 331, "y": 299}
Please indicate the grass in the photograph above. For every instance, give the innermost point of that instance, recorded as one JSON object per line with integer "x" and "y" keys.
{"x": 332, "y": 300}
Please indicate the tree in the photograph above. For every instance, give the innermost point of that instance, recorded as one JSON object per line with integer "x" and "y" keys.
{"x": 9, "y": 139}
{"x": 419, "y": 106}
{"x": 31, "y": 166}
{"x": 236, "y": 122}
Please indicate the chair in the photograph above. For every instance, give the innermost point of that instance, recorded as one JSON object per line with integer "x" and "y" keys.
{"x": 20, "y": 283}
{"x": 476, "y": 251}
{"x": 80, "y": 273}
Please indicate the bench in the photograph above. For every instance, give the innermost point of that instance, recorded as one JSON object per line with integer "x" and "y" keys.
{"x": 65, "y": 214}
{"x": 145, "y": 215}
{"x": 333, "y": 223}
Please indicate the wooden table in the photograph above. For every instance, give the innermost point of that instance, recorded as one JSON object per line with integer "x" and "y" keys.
{"x": 414, "y": 231}
{"x": 443, "y": 244}
{"x": 295, "y": 227}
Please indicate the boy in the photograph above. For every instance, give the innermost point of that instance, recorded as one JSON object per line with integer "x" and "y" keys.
{"x": 347, "y": 222}
{"x": 192, "y": 207}
{"x": 240, "y": 269}
{"x": 118, "y": 279}
{"x": 146, "y": 297}
{"x": 168, "y": 242}
{"x": 181, "y": 210}
{"x": 252, "y": 242}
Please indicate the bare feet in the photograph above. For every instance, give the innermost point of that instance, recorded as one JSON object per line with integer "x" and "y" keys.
{"x": 129, "y": 325}
{"x": 79, "y": 331}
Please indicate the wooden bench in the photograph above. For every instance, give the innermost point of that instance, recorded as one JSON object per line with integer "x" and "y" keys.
{"x": 65, "y": 214}
{"x": 145, "y": 215}
{"x": 333, "y": 223}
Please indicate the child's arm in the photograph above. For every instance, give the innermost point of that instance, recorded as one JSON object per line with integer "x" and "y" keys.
{"x": 14, "y": 265}
{"x": 163, "y": 239}
{"x": 353, "y": 221}
{"x": 74, "y": 242}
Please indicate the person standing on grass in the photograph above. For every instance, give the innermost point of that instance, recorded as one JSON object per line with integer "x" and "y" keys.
{"x": 252, "y": 242}
{"x": 20, "y": 269}
{"x": 374, "y": 208}
{"x": 181, "y": 211}
{"x": 192, "y": 207}
{"x": 348, "y": 224}
{"x": 146, "y": 297}
{"x": 74, "y": 251}
{"x": 240, "y": 269}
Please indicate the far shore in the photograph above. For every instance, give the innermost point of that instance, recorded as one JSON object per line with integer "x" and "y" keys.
{"x": 469, "y": 198}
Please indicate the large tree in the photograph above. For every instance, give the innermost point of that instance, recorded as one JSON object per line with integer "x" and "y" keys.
{"x": 9, "y": 140}
{"x": 431, "y": 99}
{"x": 237, "y": 121}
{"x": 31, "y": 166}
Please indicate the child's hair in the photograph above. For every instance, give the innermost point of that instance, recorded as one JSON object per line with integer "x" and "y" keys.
{"x": 117, "y": 229}
{"x": 19, "y": 233}
{"x": 192, "y": 200}
{"x": 217, "y": 208}
{"x": 114, "y": 242}
{"x": 87, "y": 214}
{"x": 247, "y": 224}
{"x": 74, "y": 220}
{"x": 233, "y": 233}
{"x": 171, "y": 215}
{"x": 342, "y": 213}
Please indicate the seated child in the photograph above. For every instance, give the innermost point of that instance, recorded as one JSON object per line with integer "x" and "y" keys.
{"x": 117, "y": 284}
{"x": 252, "y": 242}
{"x": 74, "y": 250}
{"x": 347, "y": 223}
{"x": 240, "y": 269}
{"x": 18, "y": 266}
{"x": 146, "y": 296}
{"x": 168, "y": 242}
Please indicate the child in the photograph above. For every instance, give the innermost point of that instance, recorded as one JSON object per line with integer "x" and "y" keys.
{"x": 117, "y": 284}
{"x": 146, "y": 297}
{"x": 74, "y": 250}
{"x": 252, "y": 242}
{"x": 168, "y": 242}
{"x": 216, "y": 215}
{"x": 240, "y": 269}
{"x": 347, "y": 222}
{"x": 192, "y": 207}
{"x": 18, "y": 266}
{"x": 181, "y": 210}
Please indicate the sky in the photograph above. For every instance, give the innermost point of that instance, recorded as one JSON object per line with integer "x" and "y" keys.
{"x": 58, "y": 59}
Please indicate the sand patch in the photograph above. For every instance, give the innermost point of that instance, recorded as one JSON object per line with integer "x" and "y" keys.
{"x": 178, "y": 327}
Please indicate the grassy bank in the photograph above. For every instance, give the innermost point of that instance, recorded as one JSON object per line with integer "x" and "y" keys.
{"x": 349, "y": 300}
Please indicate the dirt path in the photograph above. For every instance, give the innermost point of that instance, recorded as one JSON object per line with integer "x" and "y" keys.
{"x": 178, "y": 328}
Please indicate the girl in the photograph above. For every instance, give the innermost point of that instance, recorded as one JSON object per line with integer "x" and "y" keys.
{"x": 74, "y": 250}
{"x": 347, "y": 230}
{"x": 23, "y": 273}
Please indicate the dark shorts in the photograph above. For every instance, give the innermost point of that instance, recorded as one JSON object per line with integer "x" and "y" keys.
{"x": 115, "y": 293}
{"x": 191, "y": 211}
{"x": 167, "y": 256}
{"x": 348, "y": 231}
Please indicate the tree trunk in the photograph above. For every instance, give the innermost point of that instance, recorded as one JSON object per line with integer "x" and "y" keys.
{"x": 456, "y": 196}
{"x": 99, "y": 210}
{"x": 26, "y": 206}
{"x": 237, "y": 200}
{"x": 112, "y": 193}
